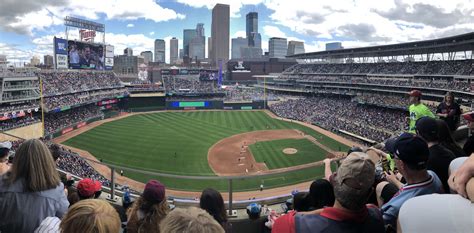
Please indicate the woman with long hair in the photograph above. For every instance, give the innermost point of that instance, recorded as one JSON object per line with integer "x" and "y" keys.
{"x": 211, "y": 201}
{"x": 31, "y": 190}
{"x": 449, "y": 111}
{"x": 446, "y": 139}
{"x": 149, "y": 210}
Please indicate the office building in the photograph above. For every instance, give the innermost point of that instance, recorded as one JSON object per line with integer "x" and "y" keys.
{"x": 160, "y": 48}
{"x": 126, "y": 64}
{"x": 128, "y": 52}
{"x": 197, "y": 45}
{"x": 247, "y": 53}
{"x": 237, "y": 44}
{"x": 209, "y": 47}
{"x": 295, "y": 47}
{"x": 251, "y": 30}
{"x": 174, "y": 52}
{"x": 48, "y": 61}
{"x": 147, "y": 56}
{"x": 277, "y": 47}
{"x": 333, "y": 46}
{"x": 220, "y": 35}
{"x": 188, "y": 35}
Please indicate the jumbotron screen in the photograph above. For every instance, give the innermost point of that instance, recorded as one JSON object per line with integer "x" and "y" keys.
{"x": 85, "y": 56}
{"x": 190, "y": 104}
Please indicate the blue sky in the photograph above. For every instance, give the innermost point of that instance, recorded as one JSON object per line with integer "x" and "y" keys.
{"x": 27, "y": 29}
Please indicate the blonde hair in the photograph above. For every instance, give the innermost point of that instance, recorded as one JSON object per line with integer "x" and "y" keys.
{"x": 91, "y": 216}
{"x": 191, "y": 220}
{"x": 153, "y": 213}
{"x": 34, "y": 163}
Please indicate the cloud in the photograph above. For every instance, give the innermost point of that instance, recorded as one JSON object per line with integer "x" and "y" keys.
{"x": 130, "y": 25}
{"x": 272, "y": 31}
{"x": 361, "y": 32}
{"x": 239, "y": 34}
{"x": 151, "y": 33}
{"x": 235, "y": 5}
{"x": 33, "y": 15}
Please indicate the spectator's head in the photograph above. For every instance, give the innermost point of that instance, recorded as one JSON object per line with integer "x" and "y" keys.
{"x": 87, "y": 188}
{"x": 253, "y": 210}
{"x": 321, "y": 193}
{"x": 410, "y": 153}
{"x": 4, "y": 150}
{"x": 427, "y": 128}
{"x": 449, "y": 97}
{"x": 353, "y": 181}
{"x": 191, "y": 220}
{"x": 301, "y": 201}
{"x": 469, "y": 117}
{"x": 34, "y": 163}
{"x": 91, "y": 215}
{"x": 415, "y": 96}
{"x": 444, "y": 133}
{"x": 55, "y": 151}
{"x": 87, "y": 51}
{"x": 211, "y": 201}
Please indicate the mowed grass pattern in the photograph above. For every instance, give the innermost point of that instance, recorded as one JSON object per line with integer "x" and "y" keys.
{"x": 271, "y": 152}
{"x": 178, "y": 142}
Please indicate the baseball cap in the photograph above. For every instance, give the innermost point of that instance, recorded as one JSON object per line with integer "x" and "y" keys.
{"x": 154, "y": 191}
{"x": 411, "y": 149}
{"x": 469, "y": 116}
{"x": 415, "y": 93}
{"x": 427, "y": 127}
{"x": 356, "y": 173}
{"x": 88, "y": 187}
{"x": 6, "y": 145}
{"x": 254, "y": 208}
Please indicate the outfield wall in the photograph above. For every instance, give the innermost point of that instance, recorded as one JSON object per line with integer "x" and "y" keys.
{"x": 214, "y": 104}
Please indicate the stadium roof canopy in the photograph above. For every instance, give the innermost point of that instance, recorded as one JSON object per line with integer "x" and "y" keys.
{"x": 458, "y": 43}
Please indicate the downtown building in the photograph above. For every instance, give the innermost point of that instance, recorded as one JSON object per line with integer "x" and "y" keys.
{"x": 295, "y": 47}
{"x": 160, "y": 48}
{"x": 277, "y": 47}
{"x": 220, "y": 34}
{"x": 174, "y": 51}
{"x": 147, "y": 56}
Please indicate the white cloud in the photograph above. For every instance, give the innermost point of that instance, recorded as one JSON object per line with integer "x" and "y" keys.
{"x": 272, "y": 31}
{"x": 130, "y": 25}
{"x": 151, "y": 33}
{"x": 239, "y": 34}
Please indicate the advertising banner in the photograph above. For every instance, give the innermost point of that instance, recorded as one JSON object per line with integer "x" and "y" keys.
{"x": 67, "y": 130}
{"x": 61, "y": 61}
{"x": 60, "y": 46}
{"x": 82, "y": 124}
{"x": 109, "y": 51}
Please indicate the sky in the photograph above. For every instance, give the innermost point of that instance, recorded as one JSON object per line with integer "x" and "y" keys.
{"x": 27, "y": 27}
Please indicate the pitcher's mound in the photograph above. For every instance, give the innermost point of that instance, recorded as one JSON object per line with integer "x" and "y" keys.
{"x": 290, "y": 151}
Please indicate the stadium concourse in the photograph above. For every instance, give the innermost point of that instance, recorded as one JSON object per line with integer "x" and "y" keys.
{"x": 367, "y": 103}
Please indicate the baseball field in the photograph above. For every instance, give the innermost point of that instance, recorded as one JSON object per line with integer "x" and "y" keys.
{"x": 209, "y": 143}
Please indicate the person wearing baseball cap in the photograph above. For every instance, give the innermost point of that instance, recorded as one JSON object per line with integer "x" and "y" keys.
{"x": 4, "y": 152}
{"x": 417, "y": 109}
{"x": 411, "y": 155}
{"x": 87, "y": 188}
{"x": 352, "y": 183}
{"x": 147, "y": 211}
{"x": 469, "y": 145}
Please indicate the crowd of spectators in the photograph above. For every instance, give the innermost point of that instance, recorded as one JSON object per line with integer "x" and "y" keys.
{"x": 457, "y": 67}
{"x": 389, "y": 101}
{"x": 9, "y": 108}
{"x": 244, "y": 93}
{"x": 189, "y": 84}
{"x": 59, "y": 83}
{"x": 437, "y": 83}
{"x": 336, "y": 114}
{"x": 61, "y": 120}
{"x": 86, "y": 97}
{"x": 18, "y": 122}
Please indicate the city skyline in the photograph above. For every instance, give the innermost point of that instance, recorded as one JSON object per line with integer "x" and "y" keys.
{"x": 29, "y": 31}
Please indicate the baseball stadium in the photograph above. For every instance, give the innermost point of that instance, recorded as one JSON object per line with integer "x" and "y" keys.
{"x": 259, "y": 140}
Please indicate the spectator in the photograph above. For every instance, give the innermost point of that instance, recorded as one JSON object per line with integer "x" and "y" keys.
{"x": 411, "y": 156}
{"x": 446, "y": 139}
{"x": 301, "y": 202}
{"x": 417, "y": 109}
{"x": 191, "y": 220}
{"x": 31, "y": 190}
{"x": 88, "y": 189}
{"x": 91, "y": 216}
{"x": 254, "y": 210}
{"x": 449, "y": 111}
{"x": 211, "y": 201}
{"x": 149, "y": 210}
{"x": 321, "y": 193}
{"x": 352, "y": 187}
{"x": 440, "y": 157}
{"x": 469, "y": 144}
{"x": 4, "y": 153}
{"x": 461, "y": 180}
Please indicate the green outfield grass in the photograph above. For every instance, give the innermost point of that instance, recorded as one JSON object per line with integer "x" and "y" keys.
{"x": 271, "y": 152}
{"x": 177, "y": 143}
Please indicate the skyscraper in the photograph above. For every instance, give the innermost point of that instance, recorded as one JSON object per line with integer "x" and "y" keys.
{"x": 251, "y": 27}
{"x": 188, "y": 35}
{"x": 209, "y": 47}
{"x": 295, "y": 47}
{"x": 197, "y": 45}
{"x": 237, "y": 44}
{"x": 160, "y": 47}
{"x": 220, "y": 34}
{"x": 147, "y": 56}
{"x": 48, "y": 61}
{"x": 173, "y": 50}
{"x": 277, "y": 47}
{"x": 128, "y": 52}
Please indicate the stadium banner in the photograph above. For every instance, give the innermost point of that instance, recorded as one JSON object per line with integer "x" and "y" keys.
{"x": 109, "y": 51}
{"x": 85, "y": 55}
{"x": 61, "y": 61}
{"x": 246, "y": 108}
{"x": 60, "y": 46}
{"x": 65, "y": 108}
{"x": 109, "y": 63}
{"x": 80, "y": 125}
{"x": 67, "y": 130}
